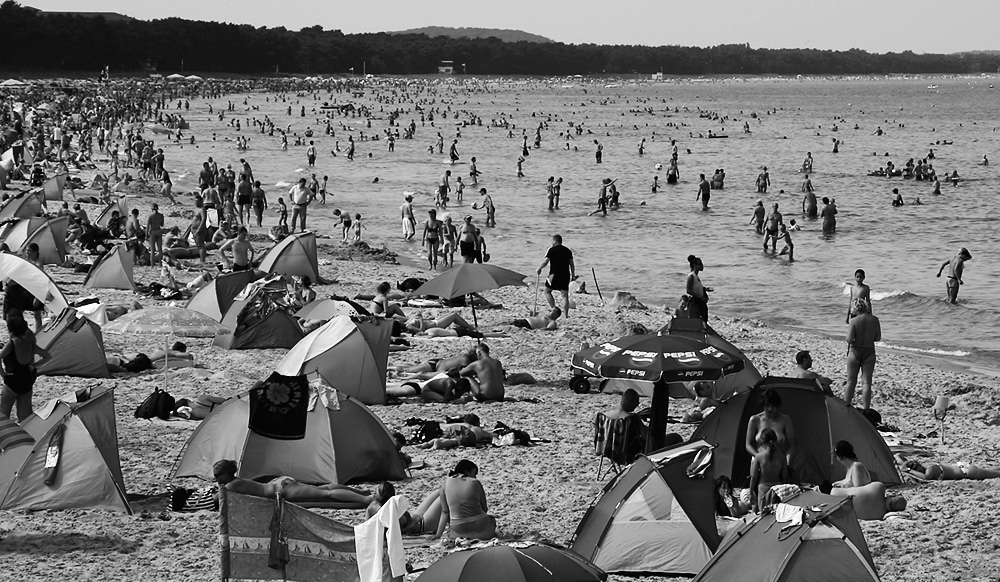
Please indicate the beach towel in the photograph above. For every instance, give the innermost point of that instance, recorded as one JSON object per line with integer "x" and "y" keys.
{"x": 381, "y": 534}
{"x": 278, "y": 407}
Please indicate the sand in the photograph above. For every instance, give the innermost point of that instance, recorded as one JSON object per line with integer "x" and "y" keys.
{"x": 536, "y": 493}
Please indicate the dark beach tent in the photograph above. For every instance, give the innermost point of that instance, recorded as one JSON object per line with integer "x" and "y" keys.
{"x": 51, "y": 240}
{"x": 255, "y": 321}
{"x": 113, "y": 271}
{"x": 23, "y": 205}
{"x": 344, "y": 443}
{"x": 819, "y": 420}
{"x": 105, "y": 216}
{"x": 82, "y": 428}
{"x": 215, "y": 298}
{"x": 351, "y": 356}
{"x": 828, "y": 546}
{"x": 295, "y": 255}
{"x": 652, "y": 517}
{"x": 76, "y": 345}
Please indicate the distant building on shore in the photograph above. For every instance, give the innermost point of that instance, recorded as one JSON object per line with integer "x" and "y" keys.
{"x": 446, "y": 68}
{"x": 657, "y": 76}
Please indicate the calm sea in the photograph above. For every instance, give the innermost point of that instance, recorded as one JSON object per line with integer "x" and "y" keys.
{"x": 643, "y": 248}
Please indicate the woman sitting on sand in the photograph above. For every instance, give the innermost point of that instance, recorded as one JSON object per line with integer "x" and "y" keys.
{"x": 857, "y": 474}
{"x": 418, "y": 521}
{"x": 730, "y": 502}
{"x": 463, "y": 505}
{"x": 945, "y": 472}
{"x": 288, "y": 488}
{"x": 381, "y": 307}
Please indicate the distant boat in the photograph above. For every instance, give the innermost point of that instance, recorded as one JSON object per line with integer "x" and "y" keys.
{"x": 612, "y": 85}
{"x": 932, "y": 86}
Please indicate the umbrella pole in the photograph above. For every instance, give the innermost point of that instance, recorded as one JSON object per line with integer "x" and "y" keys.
{"x": 660, "y": 406}
{"x": 534, "y": 309}
{"x": 473, "y": 303}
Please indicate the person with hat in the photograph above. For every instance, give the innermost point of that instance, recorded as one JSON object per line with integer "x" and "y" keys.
{"x": 803, "y": 361}
{"x": 956, "y": 266}
{"x": 406, "y": 215}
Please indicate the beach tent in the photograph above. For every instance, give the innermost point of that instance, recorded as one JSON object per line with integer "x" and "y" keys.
{"x": 15, "y": 233}
{"x": 294, "y": 255}
{"x": 828, "y": 546}
{"x": 81, "y": 426}
{"x": 215, "y": 298}
{"x": 76, "y": 345}
{"x": 344, "y": 443}
{"x": 23, "y": 205}
{"x": 33, "y": 280}
{"x": 255, "y": 321}
{"x": 112, "y": 271}
{"x": 53, "y": 187}
{"x": 348, "y": 355}
{"x": 652, "y": 517}
{"x": 51, "y": 240}
{"x": 105, "y": 216}
{"x": 819, "y": 419}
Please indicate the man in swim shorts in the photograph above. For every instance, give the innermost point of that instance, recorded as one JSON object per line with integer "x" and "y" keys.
{"x": 771, "y": 227}
{"x": 955, "y": 266}
{"x": 488, "y": 384}
{"x": 562, "y": 270}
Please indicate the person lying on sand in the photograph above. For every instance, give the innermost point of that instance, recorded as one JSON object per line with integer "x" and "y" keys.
{"x": 423, "y": 323}
{"x": 460, "y": 434}
{"x": 442, "y": 387}
{"x": 288, "y": 488}
{"x": 435, "y": 365}
{"x": 539, "y": 321}
{"x": 870, "y": 501}
{"x": 946, "y": 472}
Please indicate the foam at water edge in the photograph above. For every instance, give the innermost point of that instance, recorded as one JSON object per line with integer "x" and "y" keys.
{"x": 935, "y": 351}
{"x": 876, "y": 295}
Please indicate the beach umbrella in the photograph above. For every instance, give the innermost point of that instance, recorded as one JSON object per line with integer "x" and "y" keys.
{"x": 175, "y": 77}
{"x": 165, "y": 320}
{"x": 469, "y": 278}
{"x": 325, "y": 309}
{"x": 537, "y": 563}
{"x": 193, "y": 78}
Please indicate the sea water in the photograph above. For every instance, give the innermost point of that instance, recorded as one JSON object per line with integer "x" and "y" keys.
{"x": 642, "y": 247}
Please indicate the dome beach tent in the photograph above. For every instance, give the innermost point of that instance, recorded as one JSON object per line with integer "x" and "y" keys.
{"x": 105, "y": 216}
{"x": 350, "y": 356}
{"x": 828, "y": 546}
{"x": 254, "y": 320}
{"x": 113, "y": 271}
{"x": 23, "y": 205}
{"x": 15, "y": 233}
{"x": 295, "y": 255}
{"x": 215, "y": 298}
{"x": 820, "y": 420}
{"x": 54, "y": 186}
{"x": 76, "y": 345}
{"x": 88, "y": 474}
{"x": 51, "y": 240}
{"x": 344, "y": 443}
{"x": 33, "y": 280}
{"x": 652, "y": 517}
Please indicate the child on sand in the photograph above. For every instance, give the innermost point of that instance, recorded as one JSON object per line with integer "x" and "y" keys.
{"x": 358, "y": 227}
{"x": 282, "y": 215}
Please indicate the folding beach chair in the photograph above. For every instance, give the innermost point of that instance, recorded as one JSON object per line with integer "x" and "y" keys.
{"x": 619, "y": 440}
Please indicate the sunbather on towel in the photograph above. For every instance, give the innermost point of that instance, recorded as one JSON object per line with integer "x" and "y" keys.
{"x": 946, "y": 472}
{"x": 870, "y": 501}
{"x": 441, "y": 387}
{"x": 422, "y": 323}
{"x": 460, "y": 434}
{"x": 435, "y": 365}
{"x": 289, "y": 488}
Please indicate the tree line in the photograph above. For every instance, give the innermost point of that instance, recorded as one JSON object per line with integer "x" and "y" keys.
{"x": 34, "y": 40}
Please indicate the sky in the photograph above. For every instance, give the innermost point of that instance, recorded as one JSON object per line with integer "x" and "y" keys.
{"x": 879, "y": 26}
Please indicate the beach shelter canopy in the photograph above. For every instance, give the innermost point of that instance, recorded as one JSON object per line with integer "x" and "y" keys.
{"x": 295, "y": 255}
{"x": 699, "y": 330}
{"x": 326, "y": 309}
{"x": 255, "y": 321}
{"x": 652, "y": 517}
{"x": 165, "y": 320}
{"x": 105, "y": 216}
{"x": 469, "y": 278}
{"x": 81, "y": 427}
{"x": 344, "y": 443}
{"x": 828, "y": 546}
{"x": 15, "y": 233}
{"x": 536, "y": 563}
{"x": 215, "y": 298}
{"x": 33, "y": 280}
{"x": 319, "y": 548}
{"x": 23, "y": 205}
{"x": 348, "y": 355}
{"x": 76, "y": 345}
{"x": 819, "y": 419}
{"x": 53, "y": 187}
{"x": 175, "y": 77}
{"x": 51, "y": 240}
{"x": 13, "y": 83}
{"x": 112, "y": 271}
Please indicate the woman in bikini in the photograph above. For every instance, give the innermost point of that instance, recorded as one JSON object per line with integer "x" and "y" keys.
{"x": 288, "y": 488}
{"x": 418, "y": 521}
{"x": 771, "y": 418}
{"x": 946, "y": 472}
{"x": 463, "y": 505}
{"x": 382, "y": 307}
{"x": 432, "y": 238}
{"x": 18, "y": 368}
{"x": 863, "y": 332}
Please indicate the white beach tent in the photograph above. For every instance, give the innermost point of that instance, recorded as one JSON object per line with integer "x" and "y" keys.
{"x": 76, "y": 345}
{"x": 33, "y": 280}
{"x": 54, "y": 186}
{"x": 113, "y": 271}
{"x": 23, "y": 205}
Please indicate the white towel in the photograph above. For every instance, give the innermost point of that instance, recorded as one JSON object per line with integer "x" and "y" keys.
{"x": 788, "y": 513}
{"x": 372, "y": 536}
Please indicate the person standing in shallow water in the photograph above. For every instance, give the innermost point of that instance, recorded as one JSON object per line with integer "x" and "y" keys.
{"x": 955, "y": 266}
{"x": 704, "y": 192}
{"x": 829, "y": 216}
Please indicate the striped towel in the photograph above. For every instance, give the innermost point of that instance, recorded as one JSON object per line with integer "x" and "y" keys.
{"x": 12, "y": 435}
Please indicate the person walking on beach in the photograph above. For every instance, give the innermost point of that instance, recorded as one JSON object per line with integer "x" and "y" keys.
{"x": 406, "y": 215}
{"x": 562, "y": 270}
{"x": 432, "y": 238}
{"x": 704, "y": 192}
{"x": 862, "y": 333}
{"x": 859, "y": 292}
{"x": 443, "y": 187}
{"x": 300, "y": 197}
{"x": 697, "y": 293}
{"x": 955, "y": 266}
{"x": 258, "y": 199}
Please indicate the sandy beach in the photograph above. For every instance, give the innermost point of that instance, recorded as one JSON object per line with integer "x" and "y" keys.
{"x": 537, "y": 493}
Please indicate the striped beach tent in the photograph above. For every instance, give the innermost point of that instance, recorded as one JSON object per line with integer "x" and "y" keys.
{"x": 23, "y": 205}
{"x": 295, "y": 255}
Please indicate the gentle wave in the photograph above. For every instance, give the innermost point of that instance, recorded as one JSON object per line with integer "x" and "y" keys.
{"x": 282, "y": 184}
{"x": 878, "y": 295}
{"x": 934, "y": 351}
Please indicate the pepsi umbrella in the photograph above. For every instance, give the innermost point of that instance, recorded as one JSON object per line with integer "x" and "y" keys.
{"x": 657, "y": 358}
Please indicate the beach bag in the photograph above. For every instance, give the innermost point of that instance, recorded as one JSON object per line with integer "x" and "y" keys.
{"x": 159, "y": 404}
{"x": 190, "y": 500}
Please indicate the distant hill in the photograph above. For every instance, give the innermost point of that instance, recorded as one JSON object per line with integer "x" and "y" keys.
{"x": 502, "y": 34}
{"x": 978, "y": 53}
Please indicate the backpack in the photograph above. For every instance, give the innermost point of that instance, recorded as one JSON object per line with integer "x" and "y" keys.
{"x": 159, "y": 404}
